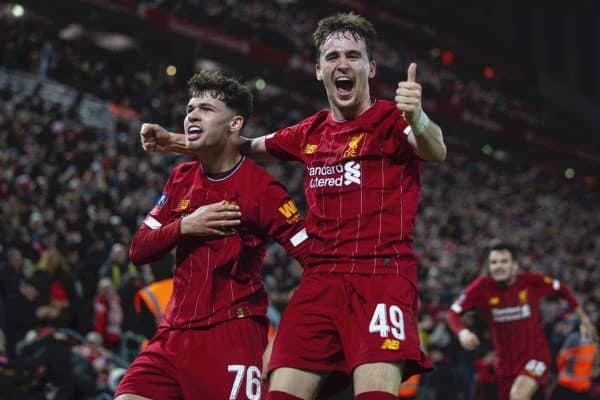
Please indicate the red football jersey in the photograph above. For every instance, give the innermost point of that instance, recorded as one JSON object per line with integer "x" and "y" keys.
{"x": 218, "y": 278}
{"x": 362, "y": 189}
{"x": 513, "y": 315}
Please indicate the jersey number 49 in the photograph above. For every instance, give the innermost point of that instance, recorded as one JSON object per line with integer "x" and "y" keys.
{"x": 385, "y": 316}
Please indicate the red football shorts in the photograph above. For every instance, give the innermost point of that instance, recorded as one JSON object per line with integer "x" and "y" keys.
{"x": 535, "y": 369}
{"x": 337, "y": 321}
{"x": 217, "y": 362}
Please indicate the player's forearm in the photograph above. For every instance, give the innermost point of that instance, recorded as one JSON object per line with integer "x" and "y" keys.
{"x": 149, "y": 245}
{"x": 430, "y": 144}
{"x": 177, "y": 143}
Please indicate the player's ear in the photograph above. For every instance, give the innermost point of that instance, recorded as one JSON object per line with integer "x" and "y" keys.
{"x": 318, "y": 72}
{"x": 372, "y": 69}
{"x": 236, "y": 123}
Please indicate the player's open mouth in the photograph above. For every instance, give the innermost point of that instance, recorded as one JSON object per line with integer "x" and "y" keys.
{"x": 194, "y": 133}
{"x": 344, "y": 86}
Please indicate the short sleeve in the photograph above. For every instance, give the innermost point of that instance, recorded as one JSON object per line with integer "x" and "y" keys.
{"x": 286, "y": 143}
{"x": 281, "y": 218}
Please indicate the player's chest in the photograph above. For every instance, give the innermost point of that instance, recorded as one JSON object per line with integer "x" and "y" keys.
{"x": 331, "y": 147}
{"x": 192, "y": 197}
{"x": 507, "y": 306}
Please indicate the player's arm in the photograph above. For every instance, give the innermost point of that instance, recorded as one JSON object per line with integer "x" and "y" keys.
{"x": 282, "y": 220}
{"x": 548, "y": 287}
{"x": 154, "y": 238}
{"x": 152, "y": 241}
{"x": 159, "y": 231}
{"x": 425, "y": 136}
{"x": 466, "y": 301}
{"x": 157, "y": 139}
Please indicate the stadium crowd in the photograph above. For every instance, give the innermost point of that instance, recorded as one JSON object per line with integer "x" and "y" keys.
{"x": 71, "y": 196}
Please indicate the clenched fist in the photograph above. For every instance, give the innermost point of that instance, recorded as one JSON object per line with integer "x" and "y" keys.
{"x": 154, "y": 138}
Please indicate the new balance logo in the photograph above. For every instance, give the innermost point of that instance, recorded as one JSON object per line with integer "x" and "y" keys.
{"x": 390, "y": 344}
{"x": 310, "y": 149}
{"x": 335, "y": 176}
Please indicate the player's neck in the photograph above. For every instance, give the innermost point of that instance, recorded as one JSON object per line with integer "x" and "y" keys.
{"x": 508, "y": 282}
{"x": 218, "y": 162}
{"x": 341, "y": 114}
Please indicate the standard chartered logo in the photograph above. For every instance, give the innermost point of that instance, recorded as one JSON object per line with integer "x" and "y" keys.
{"x": 335, "y": 175}
{"x": 351, "y": 173}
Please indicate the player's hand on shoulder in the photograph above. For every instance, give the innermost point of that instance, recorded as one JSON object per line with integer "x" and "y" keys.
{"x": 212, "y": 219}
{"x": 468, "y": 340}
{"x": 154, "y": 137}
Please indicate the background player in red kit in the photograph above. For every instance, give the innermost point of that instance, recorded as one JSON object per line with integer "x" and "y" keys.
{"x": 509, "y": 302}
{"x": 218, "y": 212}
{"x": 355, "y": 310}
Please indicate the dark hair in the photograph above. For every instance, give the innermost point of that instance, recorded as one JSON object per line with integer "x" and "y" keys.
{"x": 358, "y": 26}
{"x": 501, "y": 246}
{"x": 225, "y": 88}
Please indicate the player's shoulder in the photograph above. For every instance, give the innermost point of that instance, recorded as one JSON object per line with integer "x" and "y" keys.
{"x": 482, "y": 282}
{"x": 306, "y": 125}
{"x": 383, "y": 116}
{"x": 317, "y": 119}
{"x": 385, "y": 108}
{"x": 184, "y": 170}
{"x": 319, "y": 116}
{"x": 256, "y": 176}
{"x": 383, "y": 105}
{"x": 185, "y": 166}
{"x": 530, "y": 276}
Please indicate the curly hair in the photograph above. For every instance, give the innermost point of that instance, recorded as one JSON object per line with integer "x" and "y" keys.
{"x": 222, "y": 87}
{"x": 356, "y": 25}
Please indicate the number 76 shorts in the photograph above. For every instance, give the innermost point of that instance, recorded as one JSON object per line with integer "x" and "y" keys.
{"x": 338, "y": 321}
{"x": 222, "y": 361}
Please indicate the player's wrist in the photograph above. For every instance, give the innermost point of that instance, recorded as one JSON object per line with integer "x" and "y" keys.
{"x": 420, "y": 126}
{"x": 183, "y": 226}
{"x": 176, "y": 141}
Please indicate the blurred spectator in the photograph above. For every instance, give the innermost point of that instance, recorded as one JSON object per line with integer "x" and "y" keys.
{"x": 576, "y": 362}
{"x": 91, "y": 349}
{"x": 108, "y": 314}
{"x": 47, "y": 355}
{"x": 55, "y": 284}
{"x": 117, "y": 265}
{"x": 48, "y": 60}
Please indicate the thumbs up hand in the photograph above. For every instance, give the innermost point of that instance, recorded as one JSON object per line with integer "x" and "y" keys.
{"x": 408, "y": 96}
